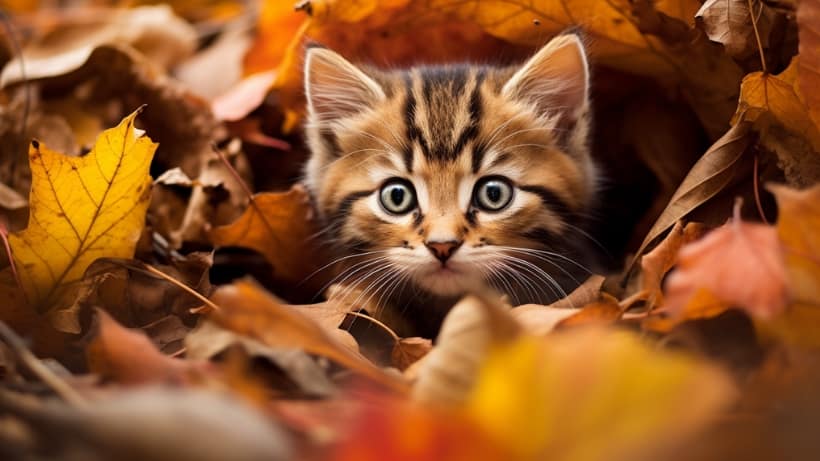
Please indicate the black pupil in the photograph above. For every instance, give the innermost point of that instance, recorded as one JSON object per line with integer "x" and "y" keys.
{"x": 397, "y": 195}
{"x": 493, "y": 192}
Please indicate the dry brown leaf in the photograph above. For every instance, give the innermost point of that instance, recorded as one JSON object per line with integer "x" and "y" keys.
{"x": 153, "y": 30}
{"x": 447, "y": 374}
{"x": 657, "y": 262}
{"x": 278, "y": 225}
{"x": 208, "y": 340}
{"x": 729, "y": 22}
{"x": 711, "y": 174}
{"x": 602, "y": 312}
{"x": 539, "y": 320}
{"x": 248, "y": 310}
{"x": 739, "y": 264}
{"x": 408, "y": 351}
{"x": 129, "y": 357}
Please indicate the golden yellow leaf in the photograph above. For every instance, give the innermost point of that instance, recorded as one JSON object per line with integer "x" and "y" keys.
{"x": 593, "y": 394}
{"x": 780, "y": 96}
{"x": 82, "y": 208}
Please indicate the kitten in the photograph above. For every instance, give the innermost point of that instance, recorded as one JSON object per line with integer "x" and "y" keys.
{"x": 434, "y": 181}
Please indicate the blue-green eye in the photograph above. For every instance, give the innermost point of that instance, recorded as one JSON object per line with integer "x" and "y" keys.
{"x": 492, "y": 193}
{"x": 397, "y": 196}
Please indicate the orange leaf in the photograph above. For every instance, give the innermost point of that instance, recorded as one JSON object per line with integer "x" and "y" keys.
{"x": 279, "y": 225}
{"x": 740, "y": 264}
{"x": 248, "y": 310}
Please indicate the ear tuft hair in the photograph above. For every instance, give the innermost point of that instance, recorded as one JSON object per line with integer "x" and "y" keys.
{"x": 335, "y": 88}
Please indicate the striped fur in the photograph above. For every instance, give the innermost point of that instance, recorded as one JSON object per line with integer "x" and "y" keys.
{"x": 443, "y": 129}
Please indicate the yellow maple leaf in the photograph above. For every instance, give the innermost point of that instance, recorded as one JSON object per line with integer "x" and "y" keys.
{"x": 82, "y": 208}
{"x": 593, "y": 394}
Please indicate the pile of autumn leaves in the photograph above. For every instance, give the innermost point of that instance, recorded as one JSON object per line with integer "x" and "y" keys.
{"x": 709, "y": 338}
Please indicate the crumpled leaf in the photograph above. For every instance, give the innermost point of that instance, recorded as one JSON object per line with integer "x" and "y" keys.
{"x": 605, "y": 311}
{"x": 280, "y": 225}
{"x": 82, "y": 208}
{"x": 153, "y": 30}
{"x": 593, "y": 394}
{"x": 739, "y": 265}
{"x": 729, "y": 22}
{"x": 408, "y": 351}
{"x": 711, "y": 174}
{"x": 657, "y": 262}
{"x": 248, "y": 310}
{"x": 129, "y": 357}
{"x": 208, "y": 340}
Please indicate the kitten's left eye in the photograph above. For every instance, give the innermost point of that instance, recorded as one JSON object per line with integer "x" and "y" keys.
{"x": 397, "y": 196}
{"x": 493, "y": 193}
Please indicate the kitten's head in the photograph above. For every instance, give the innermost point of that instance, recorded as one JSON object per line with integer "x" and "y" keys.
{"x": 456, "y": 176}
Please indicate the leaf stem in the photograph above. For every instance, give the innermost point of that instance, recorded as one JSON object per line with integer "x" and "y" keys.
{"x": 756, "y": 185}
{"x": 757, "y": 35}
{"x": 191, "y": 291}
{"x": 378, "y": 323}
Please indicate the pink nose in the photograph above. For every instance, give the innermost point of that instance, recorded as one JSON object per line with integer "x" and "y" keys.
{"x": 443, "y": 250}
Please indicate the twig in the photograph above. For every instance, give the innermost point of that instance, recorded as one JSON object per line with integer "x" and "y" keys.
{"x": 181, "y": 285}
{"x": 36, "y": 366}
{"x": 234, "y": 173}
{"x": 757, "y": 36}
{"x": 378, "y": 323}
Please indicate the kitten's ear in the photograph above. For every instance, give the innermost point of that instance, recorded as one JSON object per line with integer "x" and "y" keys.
{"x": 335, "y": 88}
{"x": 556, "y": 80}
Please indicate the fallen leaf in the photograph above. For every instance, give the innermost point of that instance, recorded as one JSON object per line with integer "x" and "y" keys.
{"x": 798, "y": 227}
{"x": 243, "y": 97}
{"x": 602, "y": 312}
{"x": 711, "y": 174}
{"x": 162, "y": 424}
{"x": 808, "y": 67}
{"x": 408, "y": 351}
{"x": 280, "y": 226}
{"x": 208, "y": 341}
{"x": 247, "y": 310}
{"x": 739, "y": 264}
{"x": 657, "y": 262}
{"x": 153, "y": 30}
{"x": 557, "y": 397}
{"x": 729, "y": 22}
{"x": 82, "y": 208}
{"x": 129, "y": 357}
{"x": 447, "y": 374}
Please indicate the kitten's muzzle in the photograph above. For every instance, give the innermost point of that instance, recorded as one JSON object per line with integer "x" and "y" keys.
{"x": 443, "y": 250}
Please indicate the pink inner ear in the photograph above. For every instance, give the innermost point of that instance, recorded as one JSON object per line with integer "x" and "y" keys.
{"x": 555, "y": 79}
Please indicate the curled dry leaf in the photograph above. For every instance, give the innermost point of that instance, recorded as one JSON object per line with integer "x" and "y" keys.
{"x": 408, "y": 351}
{"x": 729, "y": 22}
{"x": 447, "y": 374}
{"x": 129, "y": 357}
{"x": 601, "y": 312}
{"x": 656, "y": 263}
{"x": 557, "y": 397}
{"x": 82, "y": 208}
{"x": 278, "y": 225}
{"x": 208, "y": 340}
{"x": 248, "y": 310}
{"x": 711, "y": 174}
{"x": 740, "y": 264}
{"x": 153, "y": 30}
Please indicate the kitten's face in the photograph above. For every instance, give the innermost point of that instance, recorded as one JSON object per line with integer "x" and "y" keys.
{"x": 453, "y": 178}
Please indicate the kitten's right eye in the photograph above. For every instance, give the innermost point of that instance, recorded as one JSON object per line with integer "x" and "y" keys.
{"x": 397, "y": 196}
